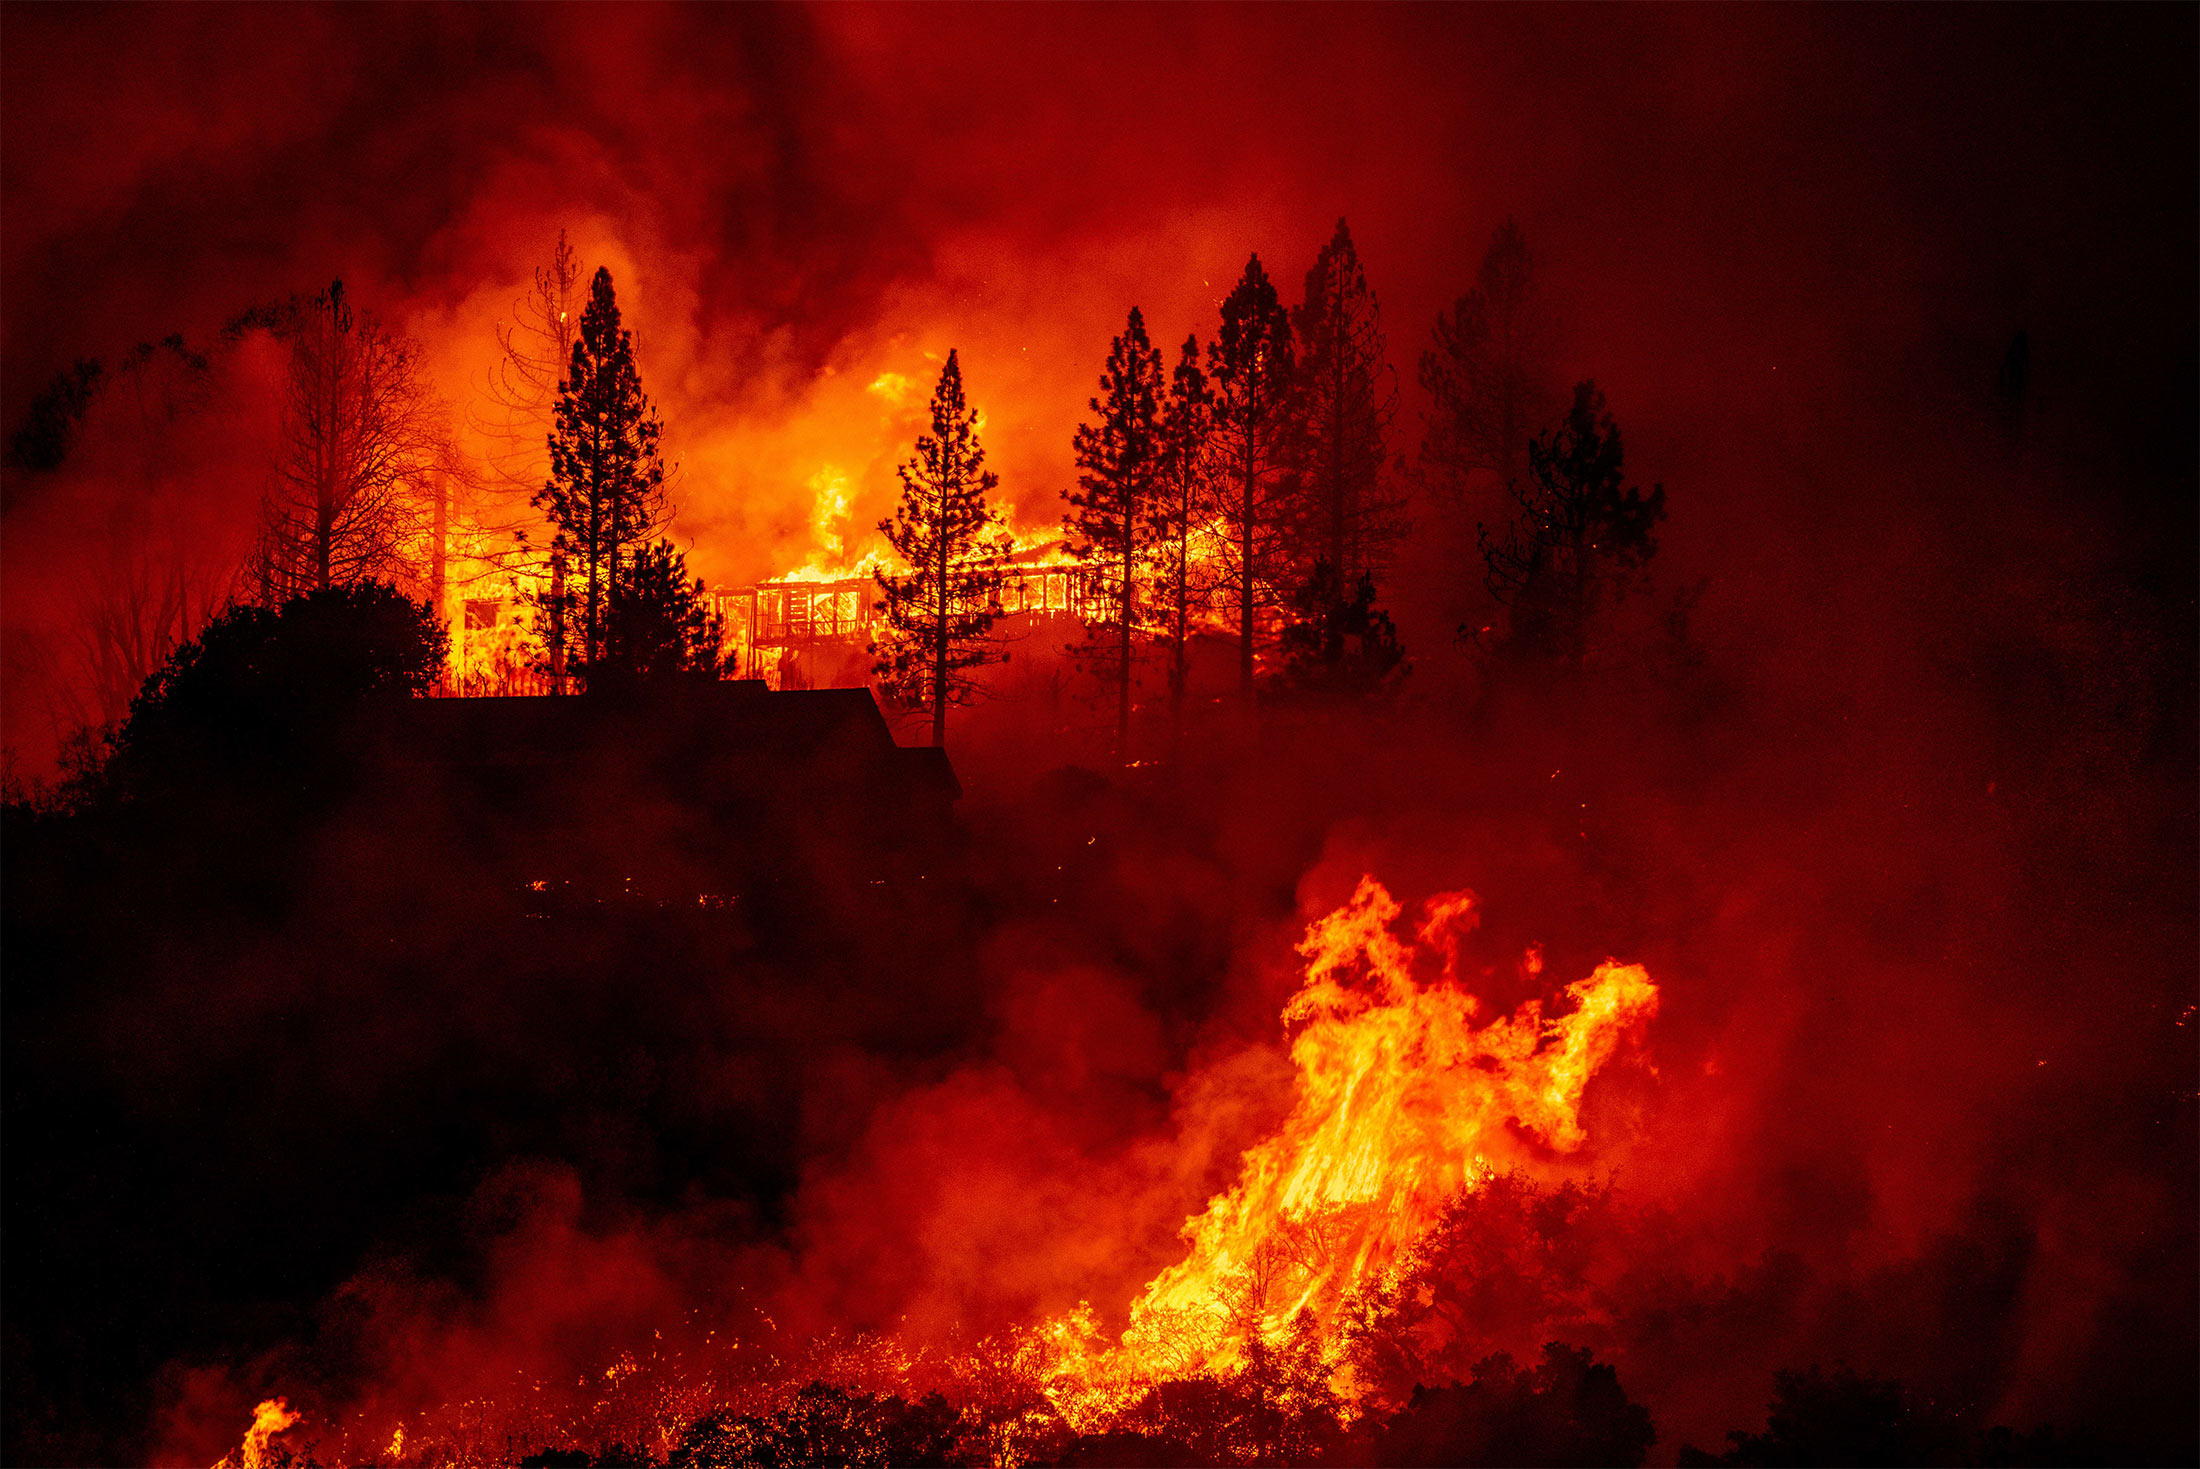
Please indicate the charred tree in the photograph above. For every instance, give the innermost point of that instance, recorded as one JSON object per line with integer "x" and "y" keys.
{"x": 1180, "y": 490}
{"x": 1487, "y": 373}
{"x": 1579, "y": 534}
{"x": 939, "y": 614}
{"x": 360, "y": 438}
{"x": 605, "y": 494}
{"x": 1252, "y": 371}
{"x": 1111, "y": 524}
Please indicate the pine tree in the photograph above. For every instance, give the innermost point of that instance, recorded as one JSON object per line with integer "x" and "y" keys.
{"x": 661, "y": 623}
{"x": 605, "y": 494}
{"x": 1350, "y": 517}
{"x": 360, "y": 438}
{"x": 1111, "y": 527}
{"x": 939, "y": 614}
{"x": 1579, "y": 534}
{"x": 1187, "y": 423}
{"x": 1252, "y": 371}
{"x": 1487, "y": 373}
{"x": 1348, "y": 396}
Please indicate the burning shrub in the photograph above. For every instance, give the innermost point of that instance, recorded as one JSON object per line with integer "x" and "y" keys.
{"x": 1511, "y": 1259}
{"x": 824, "y": 1426}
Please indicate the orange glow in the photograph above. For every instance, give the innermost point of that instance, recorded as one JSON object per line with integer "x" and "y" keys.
{"x": 1403, "y": 1104}
{"x": 273, "y": 1416}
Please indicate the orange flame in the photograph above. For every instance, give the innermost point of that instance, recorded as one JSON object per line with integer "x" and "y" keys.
{"x": 273, "y": 1416}
{"x": 1403, "y": 1104}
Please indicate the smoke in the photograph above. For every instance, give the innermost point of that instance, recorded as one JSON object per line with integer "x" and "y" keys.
{"x": 1905, "y": 838}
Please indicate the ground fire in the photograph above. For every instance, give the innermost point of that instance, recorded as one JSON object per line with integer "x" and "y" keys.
{"x": 1404, "y": 1108}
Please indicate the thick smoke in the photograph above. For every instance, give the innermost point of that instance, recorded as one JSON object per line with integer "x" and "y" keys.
{"x": 1907, "y": 838}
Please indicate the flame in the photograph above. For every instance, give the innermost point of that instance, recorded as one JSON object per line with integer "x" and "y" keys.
{"x": 273, "y": 1416}
{"x": 1408, "y": 1103}
{"x": 1403, "y": 1104}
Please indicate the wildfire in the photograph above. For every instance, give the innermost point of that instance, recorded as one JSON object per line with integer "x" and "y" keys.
{"x": 273, "y": 1416}
{"x": 1403, "y": 1105}
{"x": 1409, "y": 1106}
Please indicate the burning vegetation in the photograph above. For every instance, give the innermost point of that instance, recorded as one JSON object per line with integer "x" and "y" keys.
{"x": 1299, "y": 1316}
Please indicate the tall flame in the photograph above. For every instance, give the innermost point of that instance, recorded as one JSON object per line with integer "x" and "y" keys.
{"x": 1403, "y": 1104}
{"x": 273, "y": 1416}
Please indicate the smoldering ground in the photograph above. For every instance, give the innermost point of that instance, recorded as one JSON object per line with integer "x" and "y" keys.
{"x": 1904, "y": 829}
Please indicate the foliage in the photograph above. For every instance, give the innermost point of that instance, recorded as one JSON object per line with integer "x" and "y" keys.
{"x": 938, "y": 616}
{"x": 1111, "y": 524}
{"x": 660, "y": 625}
{"x": 1486, "y": 375}
{"x": 824, "y": 1426}
{"x": 605, "y": 494}
{"x": 42, "y": 440}
{"x": 1254, "y": 375}
{"x": 1349, "y": 516}
{"x": 1507, "y": 1261}
{"x": 255, "y": 679}
{"x": 1579, "y": 535}
{"x": 1339, "y": 644}
{"x": 1569, "y": 1409}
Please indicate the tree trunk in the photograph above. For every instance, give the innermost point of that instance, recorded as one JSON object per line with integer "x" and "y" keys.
{"x": 1245, "y": 573}
{"x": 939, "y": 643}
{"x": 1125, "y": 606}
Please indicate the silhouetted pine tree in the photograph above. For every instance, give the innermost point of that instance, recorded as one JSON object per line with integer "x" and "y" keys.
{"x": 1348, "y": 396}
{"x": 939, "y": 614}
{"x": 1180, "y": 490}
{"x": 1578, "y": 535}
{"x": 1486, "y": 372}
{"x": 661, "y": 624}
{"x": 605, "y": 494}
{"x": 1111, "y": 525}
{"x": 1252, "y": 373}
{"x": 1349, "y": 515}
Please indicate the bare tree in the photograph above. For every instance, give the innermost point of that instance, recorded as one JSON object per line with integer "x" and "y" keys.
{"x": 360, "y": 441}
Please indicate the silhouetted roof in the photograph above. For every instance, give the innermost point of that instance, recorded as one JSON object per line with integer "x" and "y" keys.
{"x": 737, "y": 771}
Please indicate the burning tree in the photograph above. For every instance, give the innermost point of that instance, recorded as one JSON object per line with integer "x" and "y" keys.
{"x": 1180, "y": 490}
{"x": 1579, "y": 535}
{"x": 1486, "y": 370}
{"x": 1118, "y": 461}
{"x": 939, "y": 614}
{"x": 605, "y": 494}
{"x": 360, "y": 441}
{"x": 1253, "y": 374}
